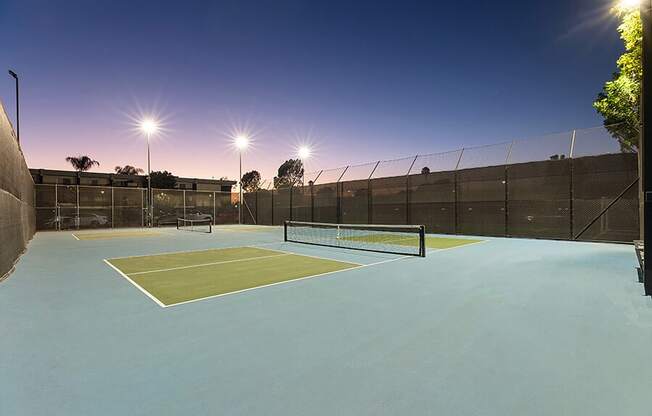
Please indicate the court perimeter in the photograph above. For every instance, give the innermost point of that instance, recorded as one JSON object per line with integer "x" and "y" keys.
{"x": 502, "y": 327}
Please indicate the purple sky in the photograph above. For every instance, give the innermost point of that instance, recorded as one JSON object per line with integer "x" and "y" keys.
{"x": 360, "y": 82}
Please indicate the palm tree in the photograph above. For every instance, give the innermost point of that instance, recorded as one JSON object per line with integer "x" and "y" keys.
{"x": 82, "y": 163}
{"x": 127, "y": 170}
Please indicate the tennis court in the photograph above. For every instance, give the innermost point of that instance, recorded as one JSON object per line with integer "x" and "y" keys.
{"x": 110, "y": 234}
{"x": 479, "y": 326}
{"x": 174, "y": 278}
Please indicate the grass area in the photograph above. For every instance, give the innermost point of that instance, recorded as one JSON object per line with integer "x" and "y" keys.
{"x": 180, "y": 277}
{"x": 107, "y": 235}
{"x": 412, "y": 241}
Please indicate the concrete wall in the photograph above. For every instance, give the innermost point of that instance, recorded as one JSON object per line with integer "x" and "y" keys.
{"x": 17, "y": 217}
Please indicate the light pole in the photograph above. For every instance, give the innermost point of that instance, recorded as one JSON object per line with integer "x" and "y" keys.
{"x": 304, "y": 154}
{"x": 646, "y": 134}
{"x": 149, "y": 127}
{"x": 241, "y": 142}
{"x": 15, "y": 76}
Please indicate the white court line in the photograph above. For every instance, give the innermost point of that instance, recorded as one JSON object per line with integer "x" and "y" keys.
{"x": 76, "y": 238}
{"x": 149, "y": 295}
{"x": 307, "y": 255}
{"x": 165, "y": 253}
{"x": 209, "y": 264}
{"x": 288, "y": 281}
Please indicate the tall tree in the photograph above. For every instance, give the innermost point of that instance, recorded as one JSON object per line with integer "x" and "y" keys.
{"x": 289, "y": 173}
{"x": 128, "y": 170}
{"x": 425, "y": 170}
{"x": 250, "y": 181}
{"x": 163, "y": 180}
{"x": 82, "y": 163}
{"x": 619, "y": 101}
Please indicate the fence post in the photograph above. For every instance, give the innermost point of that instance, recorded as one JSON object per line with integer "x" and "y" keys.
{"x": 77, "y": 186}
{"x": 112, "y": 209}
{"x": 571, "y": 188}
{"x": 142, "y": 208}
{"x": 506, "y": 187}
{"x": 506, "y": 205}
{"x": 455, "y": 180}
{"x": 408, "y": 214}
{"x": 184, "y": 204}
{"x": 312, "y": 203}
{"x": 370, "y": 202}
{"x": 57, "y": 216}
{"x": 338, "y": 193}
{"x": 291, "y": 202}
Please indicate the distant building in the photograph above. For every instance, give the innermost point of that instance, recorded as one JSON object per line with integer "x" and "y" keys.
{"x": 64, "y": 177}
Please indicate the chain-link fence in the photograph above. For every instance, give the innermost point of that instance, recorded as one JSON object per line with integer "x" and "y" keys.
{"x": 573, "y": 185}
{"x": 62, "y": 207}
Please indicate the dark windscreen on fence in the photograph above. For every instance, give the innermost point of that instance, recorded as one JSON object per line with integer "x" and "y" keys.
{"x": 250, "y": 208}
{"x": 389, "y": 200}
{"x": 538, "y": 199}
{"x": 282, "y": 205}
{"x": 17, "y": 219}
{"x": 481, "y": 201}
{"x": 432, "y": 201}
{"x": 355, "y": 202}
{"x": 325, "y": 198}
{"x": 264, "y": 208}
{"x": 598, "y": 181}
{"x": 301, "y": 203}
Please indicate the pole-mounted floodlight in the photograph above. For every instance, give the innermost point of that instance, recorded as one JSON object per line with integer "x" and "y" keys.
{"x": 149, "y": 127}
{"x": 15, "y": 76}
{"x": 304, "y": 152}
{"x": 628, "y": 4}
{"x": 241, "y": 142}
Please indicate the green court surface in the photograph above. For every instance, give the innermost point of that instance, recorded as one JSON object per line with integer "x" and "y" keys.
{"x": 181, "y": 277}
{"x": 108, "y": 235}
{"x": 413, "y": 241}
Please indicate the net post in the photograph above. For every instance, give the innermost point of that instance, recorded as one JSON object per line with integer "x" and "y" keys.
{"x": 285, "y": 231}
{"x": 422, "y": 241}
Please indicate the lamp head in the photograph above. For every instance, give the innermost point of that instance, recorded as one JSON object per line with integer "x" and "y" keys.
{"x": 149, "y": 126}
{"x": 304, "y": 152}
{"x": 241, "y": 142}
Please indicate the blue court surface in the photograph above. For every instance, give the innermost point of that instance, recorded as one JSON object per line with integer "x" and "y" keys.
{"x": 503, "y": 327}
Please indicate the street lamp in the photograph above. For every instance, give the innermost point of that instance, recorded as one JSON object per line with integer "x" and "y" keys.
{"x": 15, "y": 76}
{"x": 149, "y": 127}
{"x": 241, "y": 143}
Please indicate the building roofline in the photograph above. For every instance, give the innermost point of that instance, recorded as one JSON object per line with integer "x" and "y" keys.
{"x": 56, "y": 172}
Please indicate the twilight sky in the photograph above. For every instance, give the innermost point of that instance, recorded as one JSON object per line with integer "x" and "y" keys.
{"x": 358, "y": 80}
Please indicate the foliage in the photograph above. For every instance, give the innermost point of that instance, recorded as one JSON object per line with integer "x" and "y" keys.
{"x": 127, "y": 170}
{"x": 619, "y": 101}
{"x": 163, "y": 180}
{"x": 250, "y": 181}
{"x": 425, "y": 170}
{"x": 82, "y": 163}
{"x": 289, "y": 173}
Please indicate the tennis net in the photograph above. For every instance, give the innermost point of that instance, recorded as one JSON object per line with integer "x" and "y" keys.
{"x": 202, "y": 226}
{"x": 396, "y": 239}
